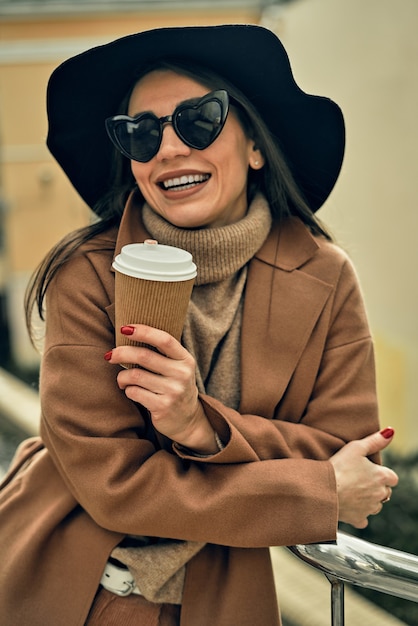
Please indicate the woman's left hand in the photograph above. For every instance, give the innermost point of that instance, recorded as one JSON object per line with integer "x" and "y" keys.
{"x": 164, "y": 382}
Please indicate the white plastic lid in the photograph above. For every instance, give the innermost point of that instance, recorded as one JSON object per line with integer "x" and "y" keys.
{"x": 153, "y": 261}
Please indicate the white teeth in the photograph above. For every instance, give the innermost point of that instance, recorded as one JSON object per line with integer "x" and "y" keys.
{"x": 185, "y": 181}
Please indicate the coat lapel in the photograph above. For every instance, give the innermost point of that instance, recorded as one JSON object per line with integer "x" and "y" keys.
{"x": 282, "y": 306}
{"x": 131, "y": 230}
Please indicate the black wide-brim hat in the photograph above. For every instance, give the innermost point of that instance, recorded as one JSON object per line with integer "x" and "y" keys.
{"x": 86, "y": 89}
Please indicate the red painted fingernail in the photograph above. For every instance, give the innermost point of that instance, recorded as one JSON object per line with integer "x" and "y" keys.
{"x": 387, "y": 433}
{"x": 108, "y": 355}
{"x": 127, "y": 330}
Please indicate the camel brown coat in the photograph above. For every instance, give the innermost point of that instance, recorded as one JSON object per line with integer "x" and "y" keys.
{"x": 308, "y": 386}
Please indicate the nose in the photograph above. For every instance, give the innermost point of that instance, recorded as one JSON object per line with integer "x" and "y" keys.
{"x": 171, "y": 145}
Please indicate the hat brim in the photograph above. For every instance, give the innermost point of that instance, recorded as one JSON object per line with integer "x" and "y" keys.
{"x": 88, "y": 88}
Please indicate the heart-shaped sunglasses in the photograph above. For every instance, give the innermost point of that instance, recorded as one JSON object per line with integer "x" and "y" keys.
{"x": 197, "y": 124}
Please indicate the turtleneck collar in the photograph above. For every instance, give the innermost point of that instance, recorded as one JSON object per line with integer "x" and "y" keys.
{"x": 218, "y": 252}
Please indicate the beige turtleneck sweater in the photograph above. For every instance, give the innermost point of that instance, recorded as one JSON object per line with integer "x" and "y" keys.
{"x": 212, "y": 328}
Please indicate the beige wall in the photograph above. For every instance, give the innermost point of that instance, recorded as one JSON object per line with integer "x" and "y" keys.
{"x": 364, "y": 54}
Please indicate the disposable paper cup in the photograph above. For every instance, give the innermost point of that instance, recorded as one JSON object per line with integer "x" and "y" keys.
{"x": 153, "y": 286}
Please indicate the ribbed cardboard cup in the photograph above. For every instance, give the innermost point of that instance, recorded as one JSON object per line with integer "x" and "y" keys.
{"x": 153, "y": 284}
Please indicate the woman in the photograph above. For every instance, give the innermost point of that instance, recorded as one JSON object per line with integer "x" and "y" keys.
{"x": 156, "y": 490}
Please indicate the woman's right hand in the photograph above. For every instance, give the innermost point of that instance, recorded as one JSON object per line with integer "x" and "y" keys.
{"x": 362, "y": 486}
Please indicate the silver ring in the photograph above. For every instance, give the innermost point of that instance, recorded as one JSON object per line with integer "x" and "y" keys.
{"x": 388, "y": 496}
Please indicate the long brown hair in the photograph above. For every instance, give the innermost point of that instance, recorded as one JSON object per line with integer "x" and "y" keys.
{"x": 274, "y": 180}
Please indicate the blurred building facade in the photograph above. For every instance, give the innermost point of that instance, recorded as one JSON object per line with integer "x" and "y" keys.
{"x": 363, "y": 55}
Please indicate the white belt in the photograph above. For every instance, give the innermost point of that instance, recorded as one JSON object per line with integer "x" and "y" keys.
{"x": 118, "y": 580}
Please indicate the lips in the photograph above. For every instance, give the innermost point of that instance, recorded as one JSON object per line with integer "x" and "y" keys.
{"x": 181, "y": 183}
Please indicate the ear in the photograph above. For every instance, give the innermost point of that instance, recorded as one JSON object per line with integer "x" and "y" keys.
{"x": 257, "y": 160}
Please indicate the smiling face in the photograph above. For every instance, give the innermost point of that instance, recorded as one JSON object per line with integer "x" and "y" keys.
{"x": 188, "y": 187}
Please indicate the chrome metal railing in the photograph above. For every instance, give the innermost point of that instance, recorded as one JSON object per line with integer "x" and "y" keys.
{"x": 358, "y": 562}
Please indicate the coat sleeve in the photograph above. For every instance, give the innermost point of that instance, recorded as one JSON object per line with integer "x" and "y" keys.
{"x": 110, "y": 459}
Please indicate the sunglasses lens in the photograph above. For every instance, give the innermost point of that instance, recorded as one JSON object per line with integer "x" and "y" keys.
{"x": 140, "y": 139}
{"x": 199, "y": 126}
